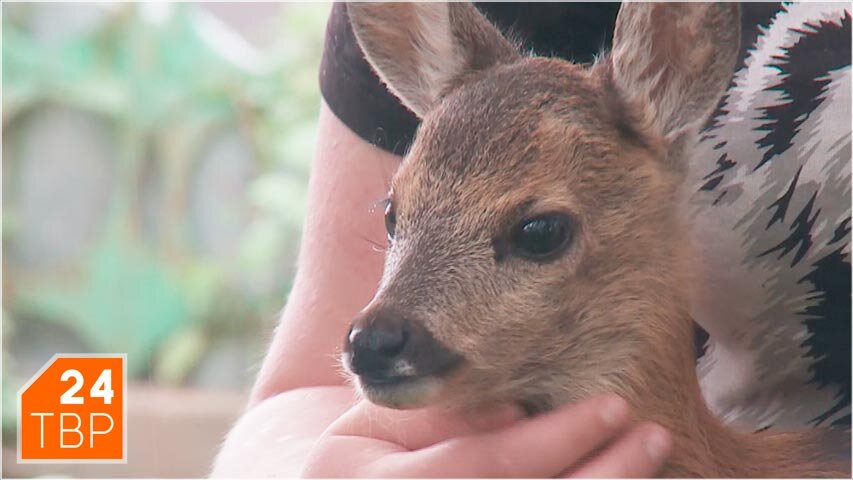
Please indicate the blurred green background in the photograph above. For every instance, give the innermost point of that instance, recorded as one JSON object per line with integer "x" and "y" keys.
{"x": 155, "y": 165}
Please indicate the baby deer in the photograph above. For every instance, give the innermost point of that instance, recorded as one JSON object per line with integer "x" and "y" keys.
{"x": 537, "y": 249}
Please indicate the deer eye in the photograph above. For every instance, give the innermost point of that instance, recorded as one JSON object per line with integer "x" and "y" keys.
{"x": 542, "y": 237}
{"x": 390, "y": 220}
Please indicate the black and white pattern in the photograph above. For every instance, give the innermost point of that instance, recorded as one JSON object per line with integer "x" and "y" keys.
{"x": 770, "y": 206}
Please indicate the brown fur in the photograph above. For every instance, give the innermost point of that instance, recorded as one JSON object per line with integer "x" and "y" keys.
{"x": 504, "y": 137}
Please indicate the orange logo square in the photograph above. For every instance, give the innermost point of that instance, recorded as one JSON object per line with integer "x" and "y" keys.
{"x": 74, "y": 410}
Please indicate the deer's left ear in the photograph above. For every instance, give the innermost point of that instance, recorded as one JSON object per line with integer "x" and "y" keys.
{"x": 675, "y": 60}
{"x": 424, "y": 50}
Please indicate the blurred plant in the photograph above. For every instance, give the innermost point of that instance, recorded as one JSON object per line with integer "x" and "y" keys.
{"x": 209, "y": 139}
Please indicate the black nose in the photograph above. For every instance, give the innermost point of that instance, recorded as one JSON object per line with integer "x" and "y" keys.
{"x": 375, "y": 346}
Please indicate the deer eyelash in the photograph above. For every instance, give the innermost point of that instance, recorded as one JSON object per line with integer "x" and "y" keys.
{"x": 381, "y": 204}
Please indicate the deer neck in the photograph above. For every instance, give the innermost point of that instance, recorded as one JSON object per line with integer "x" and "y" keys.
{"x": 668, "y": 392}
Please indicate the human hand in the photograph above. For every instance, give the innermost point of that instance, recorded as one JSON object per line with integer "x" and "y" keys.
{"x": 593, "y": 438}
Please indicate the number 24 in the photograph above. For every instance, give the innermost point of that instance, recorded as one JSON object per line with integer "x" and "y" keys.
{"x": 103, "y": 387}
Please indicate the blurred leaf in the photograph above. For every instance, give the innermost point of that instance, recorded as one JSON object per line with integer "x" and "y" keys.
{"x": 125, "y": 303}
{"x": 181, "y": 351}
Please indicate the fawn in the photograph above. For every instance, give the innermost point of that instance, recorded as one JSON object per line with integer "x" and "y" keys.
{"x": 538, "y": 252}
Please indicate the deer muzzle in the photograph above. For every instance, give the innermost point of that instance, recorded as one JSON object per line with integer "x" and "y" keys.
{"x": 396, "y": 360}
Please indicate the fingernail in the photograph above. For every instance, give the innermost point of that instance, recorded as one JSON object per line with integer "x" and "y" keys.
{"x": 614, "y": 411}
{"x": 657, "y": 444}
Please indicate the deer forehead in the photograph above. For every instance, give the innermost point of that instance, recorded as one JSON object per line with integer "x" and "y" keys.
{"x": 499, "y": 114}
{"x": 536, "y": 130}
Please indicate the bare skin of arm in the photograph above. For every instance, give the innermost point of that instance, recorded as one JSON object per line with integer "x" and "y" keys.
{"x": 304, "y": 419}
{"x": 300, "y": 391}
{"x": 340, "y": 260}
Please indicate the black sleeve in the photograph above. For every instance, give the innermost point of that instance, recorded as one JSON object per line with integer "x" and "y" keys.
{"x": 574, "y": 31}
{"x": 356, "y": 95}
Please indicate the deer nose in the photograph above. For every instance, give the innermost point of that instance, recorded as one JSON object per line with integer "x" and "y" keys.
{"x": 385, "y": 347}
{"x": 375, "y": 345}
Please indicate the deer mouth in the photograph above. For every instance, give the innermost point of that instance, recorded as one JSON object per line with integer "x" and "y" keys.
{"x": 401, "y": 392}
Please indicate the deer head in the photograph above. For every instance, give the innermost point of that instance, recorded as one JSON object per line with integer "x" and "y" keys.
{"x": 535, "y": 236}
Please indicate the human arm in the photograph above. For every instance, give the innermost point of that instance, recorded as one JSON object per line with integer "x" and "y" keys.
{"x": 340, "y": 260}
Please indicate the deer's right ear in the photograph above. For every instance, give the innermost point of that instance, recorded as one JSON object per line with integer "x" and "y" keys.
{"x": 424, "y": 50}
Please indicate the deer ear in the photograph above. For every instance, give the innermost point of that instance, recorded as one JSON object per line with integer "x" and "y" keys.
{"x": 675, "y": 60}
{"x": 424, "y": 50}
